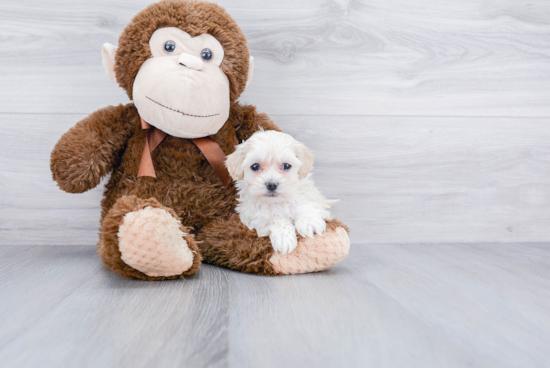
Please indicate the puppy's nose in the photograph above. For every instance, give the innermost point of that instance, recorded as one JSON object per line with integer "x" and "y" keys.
{"x": 271, "y": 185}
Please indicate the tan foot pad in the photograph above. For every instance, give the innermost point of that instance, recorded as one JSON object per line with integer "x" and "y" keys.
{"x": 314, "y": 254}
{"x": 151, "y": 241}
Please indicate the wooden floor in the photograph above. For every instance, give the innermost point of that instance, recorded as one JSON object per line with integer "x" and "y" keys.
{"x": 482, "y": 305}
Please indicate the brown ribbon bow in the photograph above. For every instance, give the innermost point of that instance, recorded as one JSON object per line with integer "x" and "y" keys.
{"x": 209, "y": 148}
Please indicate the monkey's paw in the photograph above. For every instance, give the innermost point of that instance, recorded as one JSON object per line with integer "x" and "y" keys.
{"x": 151, "y": 241}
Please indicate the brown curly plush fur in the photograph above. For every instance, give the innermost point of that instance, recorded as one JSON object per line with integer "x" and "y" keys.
{"x": 111, "y": 141}
{"x": 90, "y": 150}
{"x": 229, "y": 243}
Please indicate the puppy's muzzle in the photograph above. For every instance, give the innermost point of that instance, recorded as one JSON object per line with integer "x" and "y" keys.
{"x": 271, "y": 186}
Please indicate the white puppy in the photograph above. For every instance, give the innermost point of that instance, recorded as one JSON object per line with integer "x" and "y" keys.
{"x": 276, "y": 193}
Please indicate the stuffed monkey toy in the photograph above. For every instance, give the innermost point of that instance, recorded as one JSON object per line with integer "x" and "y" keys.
{"x": 169, "y": 203}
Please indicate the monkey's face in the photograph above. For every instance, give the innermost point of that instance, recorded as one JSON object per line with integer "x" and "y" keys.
{"x": 181, "y": 90}
{"x": 183, "y": 63}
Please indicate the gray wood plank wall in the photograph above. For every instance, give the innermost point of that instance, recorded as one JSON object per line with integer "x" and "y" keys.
{"x": 430, "y": 120}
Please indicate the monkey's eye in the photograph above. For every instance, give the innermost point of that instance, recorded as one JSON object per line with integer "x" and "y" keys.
{"x": 206, "y": 54}
{"x": 169, "y": 47}
{"x": 255, "y": 167}
{"x": 287, "y": 166}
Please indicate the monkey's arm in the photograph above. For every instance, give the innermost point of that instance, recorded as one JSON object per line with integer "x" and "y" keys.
{"x": 88, "y": 151}
{"x": 249, "y": 121}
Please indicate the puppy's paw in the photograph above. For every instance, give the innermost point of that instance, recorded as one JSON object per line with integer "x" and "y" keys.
{"x": 309, "y": 226}
{"x": 283, "y": 237}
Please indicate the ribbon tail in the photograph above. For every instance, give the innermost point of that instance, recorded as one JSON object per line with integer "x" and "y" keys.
{"x": 215, "y": 156}
{"x": 146, "y": 167}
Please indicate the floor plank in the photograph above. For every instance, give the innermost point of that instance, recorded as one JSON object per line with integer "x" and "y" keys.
{"x": 455, "y": 305}
{"x": 332, "y": 319}
{"x": 491, "y": 300}
{"x": 34, "y": 280}
{"x": 109, "y": 321}
{"x": 341, "y": 57}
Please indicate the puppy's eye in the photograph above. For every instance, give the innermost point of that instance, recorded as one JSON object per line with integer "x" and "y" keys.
{"x": 206, "y": 54}
{"x": 287, "y": 166}
{"x": 169, "y": 47}
{"x": 255, "y": 167}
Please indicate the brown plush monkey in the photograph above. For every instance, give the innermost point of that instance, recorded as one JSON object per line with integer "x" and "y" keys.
{"x": 184, "y": 65}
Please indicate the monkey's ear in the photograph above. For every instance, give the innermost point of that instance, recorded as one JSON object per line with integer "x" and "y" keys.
{"x": 108, "y": 52}
{"x": 306, "y": 157}
{"x": 234, "y": 162}
{"x": 250, "y": 70}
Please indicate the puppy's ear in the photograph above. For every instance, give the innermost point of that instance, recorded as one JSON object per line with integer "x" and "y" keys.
{"x": 306, "y": 157}
{"x": 234, "y": 162}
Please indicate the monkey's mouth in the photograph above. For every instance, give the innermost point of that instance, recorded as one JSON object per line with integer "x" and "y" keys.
{"x": 181, "y": 112}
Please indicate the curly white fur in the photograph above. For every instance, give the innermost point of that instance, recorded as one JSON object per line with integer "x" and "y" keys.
{"x": 294, "y": 205}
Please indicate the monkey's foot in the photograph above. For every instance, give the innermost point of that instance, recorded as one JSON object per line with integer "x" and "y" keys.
{"x": 229, "y": 243}
{"x": 151, "y": 241}
{"x": 144, "y": 239}
{"x": 315, "y": 254}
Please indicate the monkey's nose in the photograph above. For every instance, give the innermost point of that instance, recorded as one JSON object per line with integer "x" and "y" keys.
{"x": 271, "y": 186}
{"x": 190, "y": 61}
